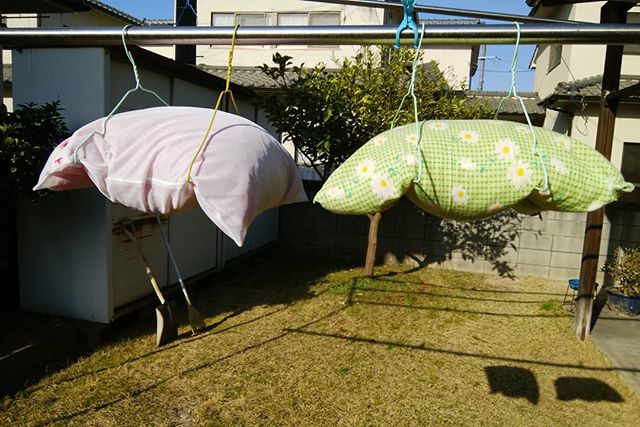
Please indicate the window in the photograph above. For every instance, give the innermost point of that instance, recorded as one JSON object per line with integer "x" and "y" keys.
{"x": 633, "y": 49}
{"x": 324, "y": 18}
{"x": 312, "y": 18}
{"x": 251, "y": 19}
{"x": 631, "y": 170}
{"x": 242, "y": 19}
{"x": 631, "y": 162}
{"x": 555, "y": 56}
{"x": 288, "y": 19}
{"x": 223, "y": 19}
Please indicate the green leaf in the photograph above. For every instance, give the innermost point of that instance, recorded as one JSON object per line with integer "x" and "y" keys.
{"x": 327, "y": 115}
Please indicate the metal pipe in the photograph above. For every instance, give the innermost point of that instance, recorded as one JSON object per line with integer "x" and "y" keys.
{"x": 595, "y": 34}
{"x": 496, "y": 16}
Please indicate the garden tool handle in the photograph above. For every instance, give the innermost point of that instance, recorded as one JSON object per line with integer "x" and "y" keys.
{"x": 152, "y": 279}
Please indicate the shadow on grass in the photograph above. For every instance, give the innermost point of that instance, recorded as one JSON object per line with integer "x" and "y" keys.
{"x": 204, "y": 365}
{"x": 499, "y": 377}
{"x": 460, "y": 288}
{"x": 514, "y": 382}
{"x": 423, "y": 347}
{"x": 587, "y": 389}
{"x": 262, "y": 280}
{"x": 449, "y": 296}
{"x": 455, "y": 310}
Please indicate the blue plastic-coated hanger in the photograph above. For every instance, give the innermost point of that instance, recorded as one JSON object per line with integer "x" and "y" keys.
{"x": 408, "y": 22}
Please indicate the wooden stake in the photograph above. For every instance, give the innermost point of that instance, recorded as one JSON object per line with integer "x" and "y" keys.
{"x": 373, "y": 244}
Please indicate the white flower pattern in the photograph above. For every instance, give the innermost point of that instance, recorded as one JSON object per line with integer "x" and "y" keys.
{"x": 467, "y": 164}
{"x": 565, "y": 141}
{"x": 469, "y": 136}
{"x": 520, "y": 174}
{"x": 383, "y": 187}
{"x": 411, "y": 159}
{"x": 438, "y": 126}
{"x": 496, "y": 207}
{"x": 506, "y": 149}
{"x": 366, "y": 168}
{"x": 412, "y": 138}
{"x": 335, "y": 193}
{"x": 459, "y": 195}
{"x": 378, "y": 141}
{"x": 559, "y": 166}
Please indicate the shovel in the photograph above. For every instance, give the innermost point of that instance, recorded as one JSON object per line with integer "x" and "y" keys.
{"x": 166, "y": 327}
{"x": 195, "y": 318}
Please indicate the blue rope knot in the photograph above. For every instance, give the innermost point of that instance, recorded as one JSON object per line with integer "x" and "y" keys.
{"x": 408, "y": 22}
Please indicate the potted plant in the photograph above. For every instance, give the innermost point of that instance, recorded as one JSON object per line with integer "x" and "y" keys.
{"x": 624, "y": 296}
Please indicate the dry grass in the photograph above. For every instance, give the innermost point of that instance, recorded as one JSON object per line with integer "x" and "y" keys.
{"x": 301, "y": 342}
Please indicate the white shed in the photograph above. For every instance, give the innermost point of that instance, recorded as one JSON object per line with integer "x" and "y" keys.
{"x": 74, "y": 261}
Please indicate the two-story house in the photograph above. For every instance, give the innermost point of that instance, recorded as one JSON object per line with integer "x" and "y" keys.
{"x": 457, "y": 62}
{"x": 568, "y": 80}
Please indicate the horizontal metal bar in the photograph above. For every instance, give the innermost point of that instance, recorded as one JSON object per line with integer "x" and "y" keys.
{"x": 496, "y": 16}
{"x": 595, "y": 34}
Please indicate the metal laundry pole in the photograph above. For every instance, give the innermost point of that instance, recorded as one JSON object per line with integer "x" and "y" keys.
{"x": 596, "y": 34}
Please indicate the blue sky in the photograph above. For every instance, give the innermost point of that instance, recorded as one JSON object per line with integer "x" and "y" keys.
{"x": 496, "y": 70}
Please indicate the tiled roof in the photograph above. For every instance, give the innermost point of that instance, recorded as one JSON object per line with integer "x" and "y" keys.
{"x": 249, "y": 77}
{"x": 154, "y": 22}
{"x": 591, "y": 86}
{"x": 585, "y": 90}
{"x": 472, "y": 21}
{"x": 254, "y": 78}
{"x": 467, "y": 21}
{"x": 510, "y": 105}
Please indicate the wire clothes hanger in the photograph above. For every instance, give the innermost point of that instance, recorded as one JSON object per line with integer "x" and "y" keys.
{"x": 184, "y": 9}
{"x": 137, "y": 87}
{"x": 227, "y": 91}
{"x": 514, "y": 94}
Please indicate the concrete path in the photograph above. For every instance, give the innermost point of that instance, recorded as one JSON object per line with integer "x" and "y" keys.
{"x": 618, "y": 338}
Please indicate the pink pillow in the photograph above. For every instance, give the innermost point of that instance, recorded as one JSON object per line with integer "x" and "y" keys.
{"x": 142, "y": 163}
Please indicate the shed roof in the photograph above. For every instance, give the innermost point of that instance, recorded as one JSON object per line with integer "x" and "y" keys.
{"x": 510, "y": 105}
{"x": 64, "y": 6}
{"x": 587, "y": 90}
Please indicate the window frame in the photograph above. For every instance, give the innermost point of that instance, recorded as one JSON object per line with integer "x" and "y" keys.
{"x": 634, "y": 196}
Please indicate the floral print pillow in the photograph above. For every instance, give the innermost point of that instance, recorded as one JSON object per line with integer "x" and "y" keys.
{"x": 472, "y": 169}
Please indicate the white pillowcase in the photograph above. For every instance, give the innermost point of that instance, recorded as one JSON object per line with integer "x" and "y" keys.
{"x": 142, "y": 163}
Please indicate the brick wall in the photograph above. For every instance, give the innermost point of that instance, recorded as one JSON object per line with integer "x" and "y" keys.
{"x": 508, "y": 244}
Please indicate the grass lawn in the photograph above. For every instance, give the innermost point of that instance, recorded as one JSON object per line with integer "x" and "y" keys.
{"x": 299, "y": 341}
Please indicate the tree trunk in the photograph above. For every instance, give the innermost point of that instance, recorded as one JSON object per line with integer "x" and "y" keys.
{"x": 373, "y": 243}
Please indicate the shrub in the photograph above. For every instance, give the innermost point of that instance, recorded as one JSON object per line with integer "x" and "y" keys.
{"x": 625, "y": 271}
{"x": 27, "y": 137}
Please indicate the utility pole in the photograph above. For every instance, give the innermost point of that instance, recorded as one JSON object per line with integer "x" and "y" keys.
{"x": 483, "y": 59}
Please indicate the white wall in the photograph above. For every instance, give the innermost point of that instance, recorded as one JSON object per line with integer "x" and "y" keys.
{"x": 455, "y": 61}
{"x": 75, "y": 261}
{"x": 581, "y": 60}
{"x": 74, "y": 76}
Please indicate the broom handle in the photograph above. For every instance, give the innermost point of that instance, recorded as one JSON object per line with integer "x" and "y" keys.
{"x": 173, "y": 260}
{"x": 152, "y": 279}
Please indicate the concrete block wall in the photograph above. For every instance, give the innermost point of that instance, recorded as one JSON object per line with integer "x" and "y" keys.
{"x": 509, "y": 244}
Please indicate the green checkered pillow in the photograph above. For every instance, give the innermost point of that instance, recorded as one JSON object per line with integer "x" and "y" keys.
{"x": 472, "y": 169}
